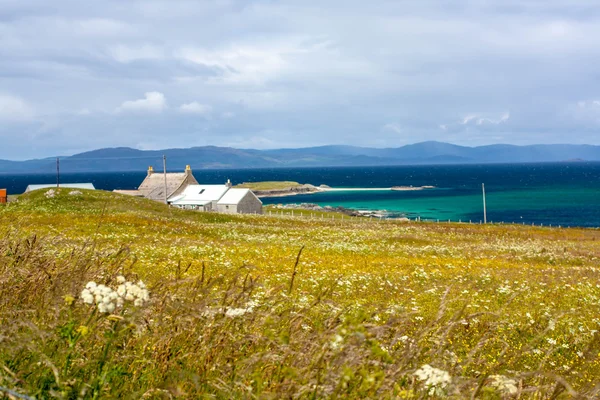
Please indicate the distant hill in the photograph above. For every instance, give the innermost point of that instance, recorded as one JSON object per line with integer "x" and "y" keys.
{"x": 128, "y": 159}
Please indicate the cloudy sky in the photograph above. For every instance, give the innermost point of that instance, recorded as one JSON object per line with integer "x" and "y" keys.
{"x": 77, "y": 75}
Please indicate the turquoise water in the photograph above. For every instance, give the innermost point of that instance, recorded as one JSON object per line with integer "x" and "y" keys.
{"x": 566, "y": 194}
{"x": 549, "y": 205}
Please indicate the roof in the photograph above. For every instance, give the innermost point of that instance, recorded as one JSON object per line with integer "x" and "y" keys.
{"x": 88, "y": 186}
{"x": 153, "y": 187}
{"x": 234, "y": 196}
{"x": 199, "y": 194}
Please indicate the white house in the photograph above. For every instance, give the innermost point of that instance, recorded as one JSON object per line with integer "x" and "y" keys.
{"x": 86, "y": 186}
{"x": 199, "y": 197}
{"x": 239, "y": 201}
{"x": 221, "y": 198}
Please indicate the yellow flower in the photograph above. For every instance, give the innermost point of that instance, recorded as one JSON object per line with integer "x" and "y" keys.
{"x": 69, "y": 300}
{"x": 83, "y": 330}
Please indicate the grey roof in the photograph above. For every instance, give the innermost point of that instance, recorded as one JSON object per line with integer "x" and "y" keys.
{"x": 87, "y": 186}
{"x": 153, "y": 187}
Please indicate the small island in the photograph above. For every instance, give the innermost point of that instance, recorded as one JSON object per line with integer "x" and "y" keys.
{"x": 278, "y": 188}
{"x": 290, "y": 188}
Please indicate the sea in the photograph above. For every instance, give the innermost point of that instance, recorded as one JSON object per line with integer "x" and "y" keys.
{"x": 565, "y": 194}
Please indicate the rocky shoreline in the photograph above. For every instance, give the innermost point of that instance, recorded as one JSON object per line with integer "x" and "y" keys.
{"x": 291, "y": 191}
{"x": 381, "y": 214}
{"x": 410, "y": 188}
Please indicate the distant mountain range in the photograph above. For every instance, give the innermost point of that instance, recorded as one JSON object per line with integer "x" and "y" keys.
{"x": 128, "y": 159}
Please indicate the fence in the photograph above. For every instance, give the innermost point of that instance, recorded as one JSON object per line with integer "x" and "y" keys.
{"x": 338, "y": 217}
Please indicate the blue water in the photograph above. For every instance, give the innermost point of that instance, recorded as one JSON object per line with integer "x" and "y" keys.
{"x": 566, "y": 194}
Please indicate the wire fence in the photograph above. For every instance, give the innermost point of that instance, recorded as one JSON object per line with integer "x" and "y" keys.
{"x": 337, "y": 216}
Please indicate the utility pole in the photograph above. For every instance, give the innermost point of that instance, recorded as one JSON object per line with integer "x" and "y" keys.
{"x": 165, "y": 174}
{"x": 57, "y": 173}
{"x": 484, "y": 206}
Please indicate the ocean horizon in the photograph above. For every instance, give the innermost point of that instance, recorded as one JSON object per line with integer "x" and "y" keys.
{"x": 566, "y": 194}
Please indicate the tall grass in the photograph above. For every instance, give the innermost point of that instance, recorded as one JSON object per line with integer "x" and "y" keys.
{"x": 515, "y": 323}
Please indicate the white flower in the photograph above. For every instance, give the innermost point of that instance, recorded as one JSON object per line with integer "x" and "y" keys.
{"x": 107, "y": 299}
{"x": 87, "y": 296}
{"x": 504, "y": 384}
{"x": 235, "y": 312}
{"x": 435, "y": 379}
{"x": 337, "y": 341}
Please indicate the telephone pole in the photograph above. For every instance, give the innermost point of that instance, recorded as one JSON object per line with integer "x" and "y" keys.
{"x": 484, "y": 205}
{"x": 57, "y": 173}
{"x": 165, "y": 174}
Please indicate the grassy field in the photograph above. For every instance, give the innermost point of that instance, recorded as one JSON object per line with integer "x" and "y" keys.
{"x": 279, "y": 307}
{"x": 269, "y": 185}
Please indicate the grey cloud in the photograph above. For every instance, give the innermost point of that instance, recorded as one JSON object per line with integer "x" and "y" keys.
{"x": 298, "y": 73}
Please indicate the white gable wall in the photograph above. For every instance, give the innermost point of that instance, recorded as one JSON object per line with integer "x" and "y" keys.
{"x": 242, "y": 202}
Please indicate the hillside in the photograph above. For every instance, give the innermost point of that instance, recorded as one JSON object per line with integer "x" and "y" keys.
{"x": 281, "y": 307}
{"x": 127, "y": 159}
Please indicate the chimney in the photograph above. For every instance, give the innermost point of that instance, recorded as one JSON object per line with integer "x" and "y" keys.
{"x": 228, "y": 184}
{"x": 150, "y": 170}
{"x": 188, "y": 170}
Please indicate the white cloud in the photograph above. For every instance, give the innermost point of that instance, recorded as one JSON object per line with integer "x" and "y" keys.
{"x": 242, "y": 64}
{"x": 483, "y": 119}
{"x": 126, "y": 54}
{"x": 393, "y": 127}
{"x": 152, "y": 102}
{"x": 227, "y": 115}
{"x": 195, "y": 108}
{"x": 101, "y": 27}
{"x": 14, "y": 109}
{"x": 585, "y": 111}
{"x": 468, "y": 119}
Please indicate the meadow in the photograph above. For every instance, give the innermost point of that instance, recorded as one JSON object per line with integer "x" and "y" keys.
{"x": 108, "y": 296}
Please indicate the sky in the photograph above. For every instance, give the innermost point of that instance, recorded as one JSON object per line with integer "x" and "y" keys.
{"x": 152, "y": 74}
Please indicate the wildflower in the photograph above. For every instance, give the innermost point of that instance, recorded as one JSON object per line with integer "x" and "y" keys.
{"x": 504, "y": 384}
{"x": 69, "y": 299}
{"x": 87, "y": 296}
{"x": 83, "y": 330}
{"x": 435, "y": 379}
{"x": 235, "y": 312}
{"x": 336, "y": 342}
{"x": 107, "y": 299}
